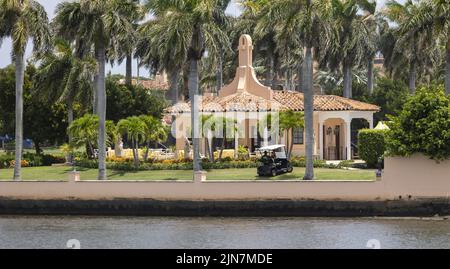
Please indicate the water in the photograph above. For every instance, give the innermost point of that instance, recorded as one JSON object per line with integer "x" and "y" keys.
{"x": 164, "y": 232}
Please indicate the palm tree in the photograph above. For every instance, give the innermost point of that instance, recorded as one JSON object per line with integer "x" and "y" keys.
{"x": 434, "y": 17}
{"x": 354, "y": 40}
{"x": 22, "y": 20}
{"x": 197, "y": 23}
{"x": 411, "y": 42}
{"x": 135, "y": 129}
{"x": 226, "y": 126}
{"x": 288, "y": 121}
{"x": 256, "y": 21}
{"x": 155, "y": 132}
{"x": 84, "y": 132}
{"x": 127, "y": 40}
{"x": 63, "y": 77}
{"x": 98, "y": 24}
{"x": 208, "y": 128}
{"x": 311, "y": 17}
{"x": 161, "y": 41}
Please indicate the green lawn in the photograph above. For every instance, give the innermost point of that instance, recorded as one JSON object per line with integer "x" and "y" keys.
{"x": 60, "y": 173}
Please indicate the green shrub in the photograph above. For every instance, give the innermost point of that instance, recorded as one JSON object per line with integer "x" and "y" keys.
{"x": 423, "y": 126}
{"x": 371, "y": 145}
{"x": 5, "y": 160}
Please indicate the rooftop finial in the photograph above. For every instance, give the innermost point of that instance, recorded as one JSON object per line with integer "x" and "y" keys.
{"x": 245, "y": 51}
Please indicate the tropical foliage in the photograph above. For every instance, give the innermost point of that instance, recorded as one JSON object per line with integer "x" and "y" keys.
{"x": 423, "y": 126}
{"x": 191, "y": 40}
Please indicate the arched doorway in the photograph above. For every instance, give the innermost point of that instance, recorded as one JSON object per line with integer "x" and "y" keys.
{"x": 334, "y": 139}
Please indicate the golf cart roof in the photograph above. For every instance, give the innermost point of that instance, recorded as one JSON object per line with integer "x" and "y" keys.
{"x": 272, "y": 147}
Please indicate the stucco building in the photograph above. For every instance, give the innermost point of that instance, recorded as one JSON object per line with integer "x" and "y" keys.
{"x": 249, "y": 102}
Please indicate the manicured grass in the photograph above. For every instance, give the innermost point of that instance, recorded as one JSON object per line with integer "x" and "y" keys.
{"x": 320, "y": 174}
{"x": 60, "y": 173}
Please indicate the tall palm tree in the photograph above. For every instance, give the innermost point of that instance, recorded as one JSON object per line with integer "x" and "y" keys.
{"x": 411, "y": 42}
{"x": 353, "y": 37}
{"x": 255, "y": 20}
{"x": 63, "y": 77}
{"x": 134, "y": 13}
{"x": 96, "y": 24}
{"x": 311, "y": 17}
{"x": 197, "y": 23}
{"x": 434, "y": 16}
{"x": 161, "y": 41}
{"x": 22, "y": 20}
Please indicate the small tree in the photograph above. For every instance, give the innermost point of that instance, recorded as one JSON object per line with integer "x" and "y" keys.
{"x": 135, "y": 129}
{"x": 84, "y": 133}
{"x": 288, "y": 121}
{"x": 155, "y": 131}
{"x": 423, "y": 126}
{"x": 371, "y": 145}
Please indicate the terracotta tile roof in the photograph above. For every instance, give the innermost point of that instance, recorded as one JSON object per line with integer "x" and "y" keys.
{"x": 294, "y": 101}
{"x": 243, "y": 101}
{"x": 154, "y": 84}
{"x": 282, "y": 100}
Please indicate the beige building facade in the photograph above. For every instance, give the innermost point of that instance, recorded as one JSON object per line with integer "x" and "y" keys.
{"x": 248, "y": 103}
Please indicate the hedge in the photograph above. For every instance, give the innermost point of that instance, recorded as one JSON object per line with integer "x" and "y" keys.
{"x": 31, "y": 159}
{"x": 371, "y": 146}
{"x": 187, "y": 164}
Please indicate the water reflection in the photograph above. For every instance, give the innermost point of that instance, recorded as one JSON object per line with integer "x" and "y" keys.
{"x": 158, "y": 232}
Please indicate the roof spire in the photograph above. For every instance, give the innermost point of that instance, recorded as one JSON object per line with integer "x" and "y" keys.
{"x": 245, "y": 51}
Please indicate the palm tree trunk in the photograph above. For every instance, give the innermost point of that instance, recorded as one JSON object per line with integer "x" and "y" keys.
{"x": 269, "y": 66}
{"x": 70, "y": 118}
{"x": 370, "y": 77}
{"x": 136, "y": 152}
{"x": 146, "y": 152}
{"x": 273, "y": 72}
{"x": 447, "y": 69}
{"x": 347, "y": 79}
{"x": 101, "y": 110}
{"x": 174, "y": 85}
{"x": 95, "y": 95}
{"x": 222, "y": 147}
{"x": 209, "y": 150}
{"x": 291, "y": 144}
{"x": 219, "y": 75}
{"x": 20, "y": 69}
{"x": 299, "y": 77}
{"x": 193, "y": 94}
{"x": 412, "y": 76}
{"x": 309, "y": 112}
{"x": 129, "y": 70}
{"x": 186, "y": 74}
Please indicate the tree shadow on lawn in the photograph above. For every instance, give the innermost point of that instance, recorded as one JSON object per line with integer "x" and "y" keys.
{"x": 118, "y": 175}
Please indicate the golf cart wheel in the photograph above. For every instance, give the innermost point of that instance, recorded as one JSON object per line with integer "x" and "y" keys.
{"x": 290, "y": 169}
{"x": 274, "y": 173}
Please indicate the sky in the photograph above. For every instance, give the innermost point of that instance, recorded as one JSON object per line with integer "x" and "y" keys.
{"x": 50, "y": 5}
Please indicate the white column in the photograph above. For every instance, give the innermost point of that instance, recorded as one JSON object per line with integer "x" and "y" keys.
{"x": 266, "y": 137}
{"x": 321, "y": 145}
{"x": 370, "y": 123}
{"x": 348, "y": 136}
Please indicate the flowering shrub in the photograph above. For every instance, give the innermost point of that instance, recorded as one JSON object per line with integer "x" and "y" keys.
{"x": 31, "y": 160}
{"x": 186, "y": 164}
{"x": 24, "y": 163}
